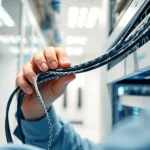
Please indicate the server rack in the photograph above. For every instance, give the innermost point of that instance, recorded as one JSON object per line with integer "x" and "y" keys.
{"x": 129, "y": 75}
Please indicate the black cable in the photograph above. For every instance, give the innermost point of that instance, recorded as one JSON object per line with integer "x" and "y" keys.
{"x": 111, "y": 57}
{"x": 7, "y": 127}
{"x": 20, "y": 114}
{"x": 133, "y": 21}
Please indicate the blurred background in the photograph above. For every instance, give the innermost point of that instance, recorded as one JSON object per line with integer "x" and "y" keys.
{"x": 96, "y": 100}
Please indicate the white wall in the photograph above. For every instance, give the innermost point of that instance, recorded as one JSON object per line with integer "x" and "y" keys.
{"x": 8, "y": 71}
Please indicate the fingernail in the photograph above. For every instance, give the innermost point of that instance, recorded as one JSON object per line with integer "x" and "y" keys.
{"x": 69, "y": 81}
{"x": 28, "y": 90}
{"x": 53, "y": 64}
{"x": 33, "y": 78}
{"x": 44, "y": 66}
{"x": 66, "y": 61}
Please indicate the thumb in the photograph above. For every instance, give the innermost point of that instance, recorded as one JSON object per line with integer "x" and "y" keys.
{"x": 60, "y": 85}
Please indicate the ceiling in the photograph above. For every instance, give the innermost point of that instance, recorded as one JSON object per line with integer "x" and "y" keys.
{"x": 13, "y": 7}
{"x": 90, "y": 49}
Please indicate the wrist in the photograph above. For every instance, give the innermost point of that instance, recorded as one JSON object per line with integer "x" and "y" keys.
{"x": 34, "y": 113}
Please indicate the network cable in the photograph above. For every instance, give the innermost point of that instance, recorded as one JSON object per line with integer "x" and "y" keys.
{"x": 123, "y": 45}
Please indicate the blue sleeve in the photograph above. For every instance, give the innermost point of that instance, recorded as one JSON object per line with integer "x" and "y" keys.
{"x": 64, "y": 137}
{"x": 129, "y": 135}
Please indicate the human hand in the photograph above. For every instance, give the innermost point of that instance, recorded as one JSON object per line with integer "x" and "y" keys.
{"x": 50, "y": 59}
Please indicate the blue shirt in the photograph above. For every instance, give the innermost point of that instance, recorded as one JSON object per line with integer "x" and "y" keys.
{"x": 128, "y": 135}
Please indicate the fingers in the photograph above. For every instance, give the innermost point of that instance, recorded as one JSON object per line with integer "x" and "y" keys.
{"x": 22, "y": 83}
{"x": 40, "y": 61}
{"x": 50, "y": 58}
{"x": 60, "y": 85}
{"x": 62, "y": 58}
{"x": 50, "y": 55}
{"x": 29, "y": 72}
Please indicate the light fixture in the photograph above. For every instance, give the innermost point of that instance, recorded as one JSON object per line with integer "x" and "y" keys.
{"x": 73, "y": 13}
{"x": 9, "y": 39}
{"x": 76, "y": 40}
{"x": 83, "y": 40}
{"x": 5, "y": 18}
{"x": 4, "y": 39}
{"x": 69, "y": 40}
{"x": 82, "y": 17}
{"x": 92, "y": 17}
{"x": 74, "y": 50}
{"x": 121, "y": 91}
{"x": 12, "y": 39}
{"x": 14, "y": 50}
{"x": 26, "y": 51}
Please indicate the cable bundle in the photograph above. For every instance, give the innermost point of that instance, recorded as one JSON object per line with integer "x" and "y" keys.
{"x": 130, "y": 37}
